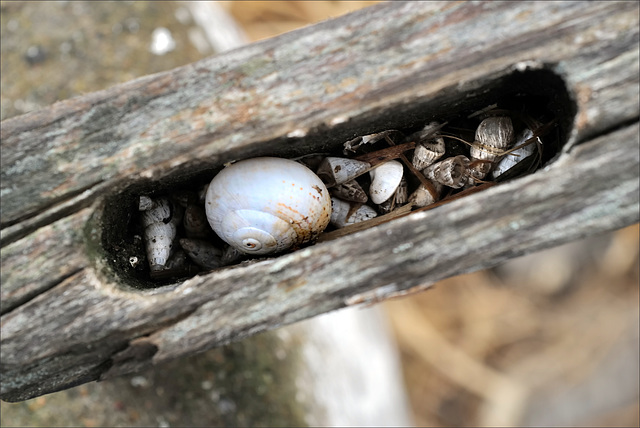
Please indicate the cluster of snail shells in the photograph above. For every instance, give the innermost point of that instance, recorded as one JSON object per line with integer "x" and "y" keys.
{"x": 264, "y": 206}
{"x": 349, "y": 200}
{"x": 493, "y": 137}
{"x": 257, "y": 206}
{"x": 267, "y": 205}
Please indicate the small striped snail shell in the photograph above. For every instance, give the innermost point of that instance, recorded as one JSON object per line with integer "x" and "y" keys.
{"x": 450, "y": 172}
{"x": 267, "y": 205}
{"x": 494, "y": 135}
{"x": 429, "y": 146}
{"x": 427, "y": 152}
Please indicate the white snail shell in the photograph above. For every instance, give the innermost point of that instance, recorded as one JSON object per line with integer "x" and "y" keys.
{"x": 515, "y": 157}
{"x": 385, "y": 179}
{"x": 265, "y": 205}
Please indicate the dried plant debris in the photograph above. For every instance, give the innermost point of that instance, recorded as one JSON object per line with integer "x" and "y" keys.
{"x": 368, "y": 179}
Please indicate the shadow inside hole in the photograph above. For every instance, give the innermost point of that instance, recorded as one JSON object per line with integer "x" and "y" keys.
{"x": 537, "y": 93}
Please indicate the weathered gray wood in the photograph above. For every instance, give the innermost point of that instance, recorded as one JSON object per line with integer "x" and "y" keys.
{"x": 86, "y": 327}
{"x": 336, "y": 76}
{"x": 46, "y": 267}
{"x": 287, "y": 96}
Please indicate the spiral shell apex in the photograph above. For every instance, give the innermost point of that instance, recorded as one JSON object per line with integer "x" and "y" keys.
{"x": 267, "y": 205}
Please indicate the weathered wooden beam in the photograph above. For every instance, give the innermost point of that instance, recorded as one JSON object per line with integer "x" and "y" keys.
{"x": 327, "y": 81}
{"x": 69, "y": 317}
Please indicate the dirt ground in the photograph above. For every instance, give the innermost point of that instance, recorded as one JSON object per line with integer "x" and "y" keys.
{"x": 547, "y": 339}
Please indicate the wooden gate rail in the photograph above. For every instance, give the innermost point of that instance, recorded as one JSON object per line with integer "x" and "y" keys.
{"x": 69, "y": 318}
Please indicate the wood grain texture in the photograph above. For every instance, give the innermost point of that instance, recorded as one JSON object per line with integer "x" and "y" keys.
{"x": 301, "y": 92}
{"x": 53, "y": 255}
{"x": 346, "y": 70}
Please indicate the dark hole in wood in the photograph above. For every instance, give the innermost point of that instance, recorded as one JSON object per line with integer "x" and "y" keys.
{"x": 540, "y": 94}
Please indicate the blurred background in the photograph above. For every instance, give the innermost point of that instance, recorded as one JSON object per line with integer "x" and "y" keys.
{"x": 549, "y": 339}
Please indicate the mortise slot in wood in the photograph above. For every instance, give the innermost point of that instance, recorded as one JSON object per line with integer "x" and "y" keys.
{"x": 537, "y": 93}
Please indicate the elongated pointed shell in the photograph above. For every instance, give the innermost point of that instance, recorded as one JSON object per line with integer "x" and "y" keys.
{"x": 345, "y": 213}
{"x": 159, "y": 244}
{"x": 353, "y": 144}
{"x": 159, "y": 219}
{"x": 385, "y": 179}
{"x": 516, "y": 157}
{"x": 266, "y": 205}
{"x": 334, "y": 170}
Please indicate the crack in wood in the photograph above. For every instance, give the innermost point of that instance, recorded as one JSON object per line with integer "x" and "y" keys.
{"x": 75, "y": 202}
{"x": 139, "y": 352}
{"x": 6, "y": 309}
